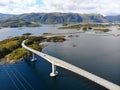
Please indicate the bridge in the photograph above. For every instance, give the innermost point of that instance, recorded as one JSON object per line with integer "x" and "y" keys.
{"x": 57, "y": 62}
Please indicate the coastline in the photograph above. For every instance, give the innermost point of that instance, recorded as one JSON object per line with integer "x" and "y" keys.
{"x": 5, "y": 60}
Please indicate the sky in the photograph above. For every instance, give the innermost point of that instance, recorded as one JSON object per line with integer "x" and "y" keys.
{"x": 104, "y": 7}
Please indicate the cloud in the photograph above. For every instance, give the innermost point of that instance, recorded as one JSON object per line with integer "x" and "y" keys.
{"x": 105, "y": 7}
{"x": 20, "y": 6}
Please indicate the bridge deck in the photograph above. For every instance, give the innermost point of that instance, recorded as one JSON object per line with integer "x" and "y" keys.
{"x": 63, "y": 64}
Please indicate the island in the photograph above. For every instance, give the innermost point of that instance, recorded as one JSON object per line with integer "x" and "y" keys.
{"x": 11, "y": 50}
{"x": 88, "y": 27}
{"x": 18, "y": 23}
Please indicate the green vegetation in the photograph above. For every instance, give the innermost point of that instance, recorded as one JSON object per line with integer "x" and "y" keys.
{"x": 55, "y": 39}
{"x": 33, "y": 24}
{"x": 88, "y": 27}
{"x": 47, "y": 34}
{"x": 35, "y": 46}
{"x": 21, "y": 52}
{"x": 17, "y": 54}
{"x": 101, "y": 30}
{"x": 72, "y": 27}
{"x": 13, "y": 45}
{"x": 8, "y": 45}
{"x": 11, "y": 48}
{"x": 18, "y": 23}
{"x": 84, "y": 26}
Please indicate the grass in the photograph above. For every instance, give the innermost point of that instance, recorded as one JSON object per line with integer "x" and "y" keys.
{"x": 21, "y": 52}
{"x": 12, "y": 49}
{"x": 79, "y": 26}
{"x": 17, "y": 54}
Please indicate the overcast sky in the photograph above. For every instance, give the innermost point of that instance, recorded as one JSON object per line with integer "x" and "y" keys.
{"x": 104, "y": 7}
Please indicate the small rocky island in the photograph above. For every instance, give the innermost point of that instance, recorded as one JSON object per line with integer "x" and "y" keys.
{"x": 88, "y": 27}
{"x": 11, "y": 50}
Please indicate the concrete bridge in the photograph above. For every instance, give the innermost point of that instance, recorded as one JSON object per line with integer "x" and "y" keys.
{"x": 57, "y": 62}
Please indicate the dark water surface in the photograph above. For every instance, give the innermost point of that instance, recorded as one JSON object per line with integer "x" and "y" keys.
{"x": 98, "y": 54}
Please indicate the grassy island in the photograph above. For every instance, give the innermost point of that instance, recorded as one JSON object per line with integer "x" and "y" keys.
{"x": 101, "y": 30}
{"x": 79, "y": 26}
{"x": 71, "y": 27}
{"x": 13, "y": 51}
{"x": 16, "y": 23}
{"x": 55, "y": 39}
{"x": 88, "y": 27}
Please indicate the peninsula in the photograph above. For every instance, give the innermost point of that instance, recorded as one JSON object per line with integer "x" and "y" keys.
{"x": 11, "y": 50}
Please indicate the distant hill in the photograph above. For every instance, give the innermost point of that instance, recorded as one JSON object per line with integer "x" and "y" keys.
{"x": 56, "y": 18}
{"x": 94, "y": 18}
{"x": 3, "y": 16}
{"x": 114, "y": 19}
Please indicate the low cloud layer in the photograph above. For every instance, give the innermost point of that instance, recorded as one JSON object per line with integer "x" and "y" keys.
{"x": 105, "y": 7}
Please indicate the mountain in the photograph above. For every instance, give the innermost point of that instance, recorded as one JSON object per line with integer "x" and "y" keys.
{"x": 114, "y": 19}
{"x": 93, "y": 18}
{"x": 56, "y": 18}
{"x": 3, "y": 16}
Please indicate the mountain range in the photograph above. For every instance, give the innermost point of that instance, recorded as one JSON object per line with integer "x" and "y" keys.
{"x": 57, "y": 18}
{"x": 113, "y": 19}
{"x": 3, "y": 16}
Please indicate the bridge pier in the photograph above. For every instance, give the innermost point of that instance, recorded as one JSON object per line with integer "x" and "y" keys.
{"x": 54, "y": 72}
{"x": 33, "y": 57}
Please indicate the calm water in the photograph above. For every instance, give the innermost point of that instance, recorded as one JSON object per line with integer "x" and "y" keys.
{"x": 98, "y": 54}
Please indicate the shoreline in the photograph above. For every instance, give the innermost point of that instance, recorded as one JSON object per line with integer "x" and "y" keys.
{"x": 5, "y": 60}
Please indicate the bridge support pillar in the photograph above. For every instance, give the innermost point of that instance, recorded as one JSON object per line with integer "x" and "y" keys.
{"x": 54, "y": 72}
{"x": 33, "y": 57}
